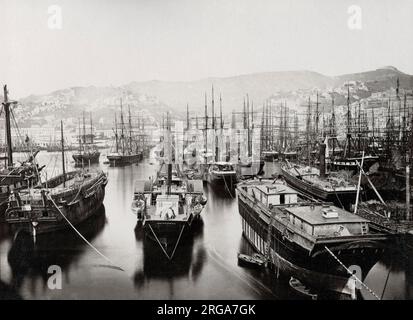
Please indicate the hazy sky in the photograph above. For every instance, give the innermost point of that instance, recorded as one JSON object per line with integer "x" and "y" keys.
{"x": 104, "y": 42}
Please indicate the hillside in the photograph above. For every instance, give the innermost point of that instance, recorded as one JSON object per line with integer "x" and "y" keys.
{"x": 159, "y": 96}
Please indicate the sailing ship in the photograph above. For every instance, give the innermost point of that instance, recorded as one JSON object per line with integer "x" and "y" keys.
{"x": 169, "y": 205}
{"x": 314, "y": 182}
{"x": 63, "y": 201}
{"x": 311, "y": 241}
{"x": 223, "y": 173}
{"x": 14, "y": 176}
{"x": 126, "y": 149}
{"x": 88, "y": 152}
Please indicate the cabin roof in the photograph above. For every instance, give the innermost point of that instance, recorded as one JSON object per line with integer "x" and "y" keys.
{"x": 313, "y": 215}
{"x": 272, "y": 189}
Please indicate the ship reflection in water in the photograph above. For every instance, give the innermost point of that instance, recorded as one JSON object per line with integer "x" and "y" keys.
{"x": 32, "y": 259}
{"x": 187, "y": 262}
{"x": 204, "y": 266}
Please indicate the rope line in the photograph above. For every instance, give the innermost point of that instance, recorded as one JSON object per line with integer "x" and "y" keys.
{"x": 157, "y": 240}
{"x": 353, "y": 275}
{"x": 176, "y": 244}
{"x": 226, "y": 186}
{"x": 81, "y": 236}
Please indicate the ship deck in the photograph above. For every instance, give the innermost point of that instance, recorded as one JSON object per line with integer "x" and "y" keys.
{"x": 312, "y": 175}
{"x": 313, "y": 215}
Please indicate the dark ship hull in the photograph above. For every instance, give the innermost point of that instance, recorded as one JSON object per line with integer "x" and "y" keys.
{"x": 317, "y": 268}
{"x": 40, "y": 214}
{"x": 82, "y": 159}
{"x": 223, "y": 179}
{"x": 317, "y": 192}
{"x": 167, "y": 232}
{"x": 123, "y": 160}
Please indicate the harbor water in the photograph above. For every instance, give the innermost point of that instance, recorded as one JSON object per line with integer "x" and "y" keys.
{"x": 132, "y": 267}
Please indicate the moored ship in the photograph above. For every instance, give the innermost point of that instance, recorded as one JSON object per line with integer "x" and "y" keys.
{"x": 223, "y": 173}
{"x": 87, "y": 153}
{"x": 304, "y": 239}
{"x": 311, "y": 181}
{"x": 169, "y": 205}
{"x": 63, "y": 201}
{"x": 126, "y": 150}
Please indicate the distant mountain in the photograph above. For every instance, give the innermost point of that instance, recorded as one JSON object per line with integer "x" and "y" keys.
{"x": 379, "y": 80}
{"x": 258, "y": 86}
{"x": 159, "y": 96}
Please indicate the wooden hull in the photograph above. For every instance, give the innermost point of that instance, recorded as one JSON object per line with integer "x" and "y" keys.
{"x": 83, "y": 159}
{"x": 317, "y": 192}
{"x": 316, "y": 269}
{"x": 76, "y": 205}
{"x": 228, "y": 180}
{"x": 123, "y": 160}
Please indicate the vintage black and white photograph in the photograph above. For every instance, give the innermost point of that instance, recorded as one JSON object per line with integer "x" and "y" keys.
{"x": 206, "y": 150}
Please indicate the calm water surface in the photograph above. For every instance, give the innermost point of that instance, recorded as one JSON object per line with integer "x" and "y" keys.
{"x": 204, "y": 267}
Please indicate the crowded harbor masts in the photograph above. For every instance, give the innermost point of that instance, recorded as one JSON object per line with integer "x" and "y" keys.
{"x": 14, "y": 176}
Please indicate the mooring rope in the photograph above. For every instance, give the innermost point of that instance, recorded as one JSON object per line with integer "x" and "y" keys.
{"x": 160, "y": 244}
{"x": 176, "y": 244}
{"x": 226, "y": 186}
{"x": 353, "y": 275}
{"x": 83, "y": 238}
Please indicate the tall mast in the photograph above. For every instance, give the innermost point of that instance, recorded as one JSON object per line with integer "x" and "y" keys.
{"x": 262, "y": 127}
{"x": 91, "y": 129}
{"x": 252, "y": 114}
{"x": 281, "y": 127}
{"x": 286, "y": 132}
{"x": 169, "y": 156}
{"x": 84, "y": 128}
{"x": 333, "y": 127}
{"x": 130, "y": 129}
{"x": 79, "y": 137}
{"x": 212, "y": 107}
{"x": 359, "y": 127}
{"x": 244, "y": 115}
{"x": 116, "y": 134}
{"x": 206, "y": 124}
{"x": 404, "y": 135}
{"x": 348, "y": 121}
{"x": 63, "y": 154}
{"x": 372, "y": 124}
{"x": 187, "y": 117}
{"x": 317, "y": 117}
{"x": 248, "y": 126}
{"x": 6, "y": 105}
{"x": 308, "y": 131}
{"x": 122, "y": 124}
{"x": 220, "y": 111}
